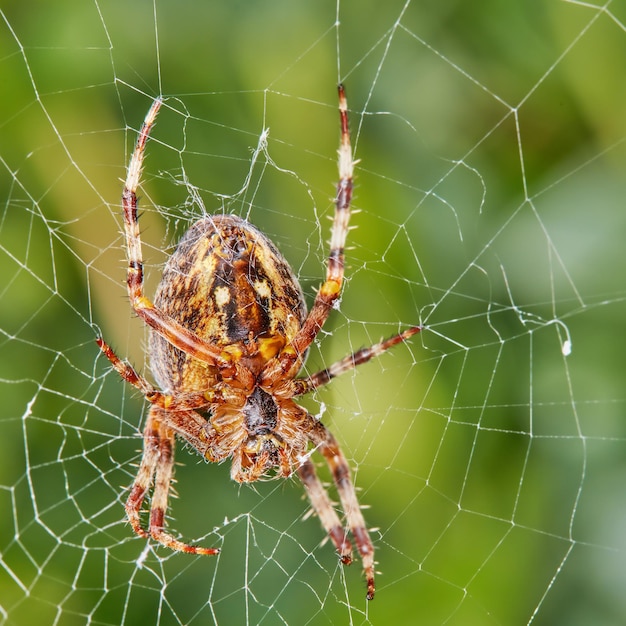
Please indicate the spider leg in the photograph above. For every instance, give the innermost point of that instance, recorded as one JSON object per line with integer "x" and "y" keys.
{"x": 292, "y": 355}
{"x": 186, "y": 403}
{"x": 158, "y": 506}
{"x": 340, "y": 471}
{"x": 325, "y": 511}
{"x": 179, "y": 413}
{"x": 157, "y": 461}
{"x": 176, "y": 334}
{"x": 300, "y": 386}
{"x": 143, "y": 480}
{"x": 125, "y": 370}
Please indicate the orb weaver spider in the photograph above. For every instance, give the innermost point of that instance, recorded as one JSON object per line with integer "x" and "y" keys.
{"x": 229, "y": 335}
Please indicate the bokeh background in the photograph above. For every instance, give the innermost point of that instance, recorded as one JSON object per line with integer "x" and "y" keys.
{"x": 490, "y": 189}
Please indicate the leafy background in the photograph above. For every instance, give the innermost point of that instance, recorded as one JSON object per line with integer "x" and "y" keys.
{"x": 490, "y": 190}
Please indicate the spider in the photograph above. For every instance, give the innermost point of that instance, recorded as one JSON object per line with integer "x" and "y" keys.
{"x": 229, "y": 335}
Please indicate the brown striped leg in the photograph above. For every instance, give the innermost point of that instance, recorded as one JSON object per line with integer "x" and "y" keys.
{"x": 125, "y": 370}
{"x": 172, "y": 331}
{"x": 291, "y": 356}
{"x": 301, "y": 386}
{"x": 187, "y": 402}
{"x": 325, "y": 511}
{"x": 158, "y": 506}
{"x": 157, "y": 461}
{"x": 340, "y": 471}
{"x": 177, "y": 413}
{"x": 331, "y": 287}
{"x": 144, "y": 476}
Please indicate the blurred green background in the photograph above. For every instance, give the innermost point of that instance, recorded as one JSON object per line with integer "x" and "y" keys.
{"x": 490, "y": 189}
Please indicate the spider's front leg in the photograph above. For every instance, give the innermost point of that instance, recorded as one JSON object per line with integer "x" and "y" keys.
{"x": 167, "y": 418}
{"x": 157, "y": 462}
{"x": 325, "y": 511}
{"x": 340, "y": 471}
{"x": 143, "y": 480}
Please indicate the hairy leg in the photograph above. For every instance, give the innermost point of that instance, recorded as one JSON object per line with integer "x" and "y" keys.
{"x": 299, "y": 386}
{"x": 157, "y": 462}
{"x": 340, "y": 471}
{"x": 325, "y": 511}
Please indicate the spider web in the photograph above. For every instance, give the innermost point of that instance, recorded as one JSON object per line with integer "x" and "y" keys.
{"x": 490, "y": 450}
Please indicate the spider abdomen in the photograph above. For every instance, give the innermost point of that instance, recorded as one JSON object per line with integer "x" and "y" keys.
{"x": 226, "y": 282}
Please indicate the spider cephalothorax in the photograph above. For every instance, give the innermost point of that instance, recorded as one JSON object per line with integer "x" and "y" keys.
{"x": 229, "y": 334}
